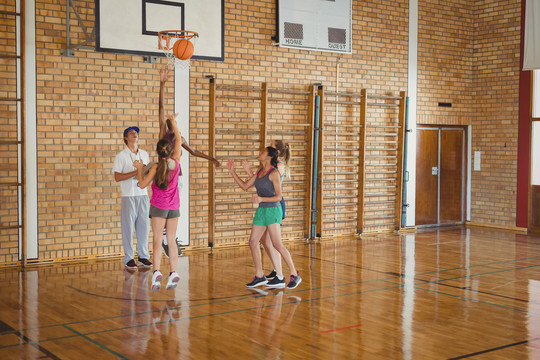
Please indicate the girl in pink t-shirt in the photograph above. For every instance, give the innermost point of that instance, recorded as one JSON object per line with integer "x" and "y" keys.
{"x": 165, "y": 203}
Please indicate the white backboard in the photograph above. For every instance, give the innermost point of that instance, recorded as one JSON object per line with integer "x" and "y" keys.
{"x": 131, "y": 26}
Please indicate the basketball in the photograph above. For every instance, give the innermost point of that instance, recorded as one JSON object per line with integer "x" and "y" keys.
{"x": 183, "y": 49}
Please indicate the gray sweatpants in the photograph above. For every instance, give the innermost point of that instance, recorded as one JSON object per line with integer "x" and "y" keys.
{"x": 134, "y": 214}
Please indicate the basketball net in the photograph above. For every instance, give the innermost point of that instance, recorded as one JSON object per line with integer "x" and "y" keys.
{"x": 166, "y": 40}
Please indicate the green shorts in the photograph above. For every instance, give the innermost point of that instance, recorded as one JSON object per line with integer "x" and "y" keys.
{"x": 268, "y": 216}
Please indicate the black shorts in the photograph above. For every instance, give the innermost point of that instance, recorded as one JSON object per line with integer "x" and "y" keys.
{"x": 162, "y": 213}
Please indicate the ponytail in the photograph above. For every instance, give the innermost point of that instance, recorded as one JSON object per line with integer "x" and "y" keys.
{"x": 164, "y": 151}
{"x": 284, "y": 153}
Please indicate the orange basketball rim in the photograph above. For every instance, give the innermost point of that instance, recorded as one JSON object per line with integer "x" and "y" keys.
{"x": 166, "y": 43}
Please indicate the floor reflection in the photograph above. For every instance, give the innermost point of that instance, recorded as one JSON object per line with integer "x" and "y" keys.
{"x": 270, "y": 322}
{"x": 428, "y": 295}
{"x": 137, "y": 311}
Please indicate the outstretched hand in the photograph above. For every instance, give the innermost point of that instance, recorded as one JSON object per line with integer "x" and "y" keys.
{"x": 171, "y": 117}
{"x": 217, "y": 164}
{"x": 230, "y": 166}
{"x": 245, "y": 165}
{"x": 164, "y": 74}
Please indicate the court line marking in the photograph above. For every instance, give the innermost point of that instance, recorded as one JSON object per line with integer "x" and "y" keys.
{"x": 478, "y": 265}
{"x": 484, "y": 292}
{"x": 439, "y": 282}
{"x": 183, "y": 306}
{"x": 444, "y": 243}
{"x": 416, "y": 286}
{"x": 229, "y": 298}
{"x": 151, "y": 300}
{"x": 96, "y": 343}
{"x": 273, "y": 305}
{"x": 474, "y": 300}
{"x": 339, "y": 329}
{"x": 425, "y": 273}
{"x": 316, "y": 299}
{"x": 186, "y": 306}
{"x": 493, "y": 349}
{"x": 479, "y": 274}
{"x": 349, "y": 265}
{"x": 27, "y": 341}
{"x": 329, "y": 286}
{"x": 204, "y": 316}
{"x": 238, "y": 310}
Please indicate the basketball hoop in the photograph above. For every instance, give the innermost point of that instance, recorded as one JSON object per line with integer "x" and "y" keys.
{"x": 166, "y": 41}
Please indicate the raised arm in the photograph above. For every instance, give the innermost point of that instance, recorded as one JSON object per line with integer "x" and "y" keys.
{"x": 163, "y": 76}
{"x": 197, "y": 153}
{"x": 177, "y": 152}
{"x": 244, "y": 184}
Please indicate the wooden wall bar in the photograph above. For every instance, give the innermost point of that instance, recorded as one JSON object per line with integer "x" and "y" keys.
{"x": 211, "y": 169}
{"x": 359, "y": 166}
{"x": 361, "y": 163}
{"x": 320, "y": 193}
{"x": 400, "y": 158}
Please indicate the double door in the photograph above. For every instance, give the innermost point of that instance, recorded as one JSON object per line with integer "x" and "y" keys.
{"x": 440, "y": 175}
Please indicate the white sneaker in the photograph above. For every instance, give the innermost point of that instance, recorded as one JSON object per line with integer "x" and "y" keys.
{"x": 173, "y": 280}
{"x": 156, "y": 278}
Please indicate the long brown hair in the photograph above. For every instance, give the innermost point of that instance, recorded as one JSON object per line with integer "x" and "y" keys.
{"x": 164, "y": 150}
{"x": 284, "y": 153}
{"x": 274, "y": 154}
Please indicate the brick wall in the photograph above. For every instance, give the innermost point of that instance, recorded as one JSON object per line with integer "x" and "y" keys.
{"x": 468, "y": 55}
{"x": 497, "y": 26}
{"x": 445, "y": 59}
{"x": 250, "y": 59}
{"x": 84, "y": 102}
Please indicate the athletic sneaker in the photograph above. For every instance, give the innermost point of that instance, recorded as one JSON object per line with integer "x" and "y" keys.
{"x": 272, "y": 275}
{"x": 156, "y": 280}
{"x": 173, "y": 280}
{"x": 276, "y": 283}
{"x": 165, "y": 248}
{"x": 145, "y": 263}
{"x": 131, "y": 265}
{"x": 165, "y": 244}
{"x": 257, "y": 282}
{"x": 294, "y": 281}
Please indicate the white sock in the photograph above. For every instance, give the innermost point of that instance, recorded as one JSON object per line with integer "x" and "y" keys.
{"x": 164, "y": 236}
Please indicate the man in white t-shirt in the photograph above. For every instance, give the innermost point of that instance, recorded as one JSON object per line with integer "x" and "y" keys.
{"x": 135, "y": 202}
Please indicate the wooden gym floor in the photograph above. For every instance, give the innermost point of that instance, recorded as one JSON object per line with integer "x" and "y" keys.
{"x": 450, "y": 293}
